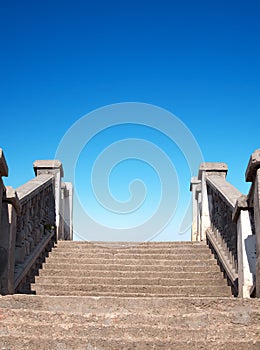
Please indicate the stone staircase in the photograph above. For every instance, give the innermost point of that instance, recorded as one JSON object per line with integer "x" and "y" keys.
{"x": 129, "y": 296}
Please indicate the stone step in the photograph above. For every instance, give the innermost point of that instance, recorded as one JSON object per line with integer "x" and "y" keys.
{"x": 86, "y": 343}
{"x": 149, "y": 305}
{"x": 129, "y": 256}
{"x": 130, "y": 261}
{"x": 104, "y": 244}
{"x": 145, "y": 281}
{"x": 129, "y": 274}
{"x": 131, "y": 331}
{"x": 124, "y": 290}
{"x": 178, "y": 319}
{"x": 59, "y": 292}
{"x": 66, "y": 267}
{"x": 134, "y": 250}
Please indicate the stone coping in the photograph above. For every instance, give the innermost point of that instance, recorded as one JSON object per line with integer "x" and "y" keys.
{"x": 253, "y": 165}
{"x": 228, "y": 192}
{"x": 33, "y": 187}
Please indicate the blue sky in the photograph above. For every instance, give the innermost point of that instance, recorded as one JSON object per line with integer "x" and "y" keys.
{"x": 199, "y": 60}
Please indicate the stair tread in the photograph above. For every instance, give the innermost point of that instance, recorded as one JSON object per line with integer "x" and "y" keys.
{"x": 176, "y": 318}
{"x": 87, "y": 343}
{"x": 128, "y": 295}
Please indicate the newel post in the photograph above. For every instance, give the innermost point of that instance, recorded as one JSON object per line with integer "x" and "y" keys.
{"x": 55, "y": 168}
{"x": 253, "y": 175}
{"x": 245, "y": 248}
{"x": 3, "y": 252}
{"x": 205, "y": 170}
{"x": 194, "y": 188}
{"x": 3, "y": 172}
{"x": 67, "y": 210}
{"x": 10, "y": 210}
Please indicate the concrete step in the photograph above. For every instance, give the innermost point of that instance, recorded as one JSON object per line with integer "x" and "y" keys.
{"x": 131, "y": 261}
{"x": 86, "y": 343}
{"x": 129, "y": 274}
{"x": 125, "y": 281}
{"x": 130, "y": 331}
{"x": 241, "y": 308}
{"x": 124, "y": 290}
{"x": 53, "y": 292}
{"x": 195, "y": 319}
{"x": 128, "y": 323}
{"x": 130, "y": 256}
{"x": 134, "y": 250}
{"x": 108, "y": 267}
{"x": 118, "y": 245}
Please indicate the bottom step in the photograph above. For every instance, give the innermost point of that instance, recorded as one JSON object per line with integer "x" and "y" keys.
{"x": 74, "y": 343}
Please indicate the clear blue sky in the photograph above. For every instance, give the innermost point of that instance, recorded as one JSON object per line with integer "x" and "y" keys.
{"x": 63, "y": 59}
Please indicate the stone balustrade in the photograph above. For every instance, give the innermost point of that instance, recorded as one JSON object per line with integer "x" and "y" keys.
{"x": 230, "y": 223}
{"x": 33, "y": 217}
{"x": 253, "y": 175}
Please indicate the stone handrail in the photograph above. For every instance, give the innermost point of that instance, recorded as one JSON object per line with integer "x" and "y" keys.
{"x": 227, "y": 221}
{"x": 33, "y": 217}
{"x": 35, "y": 225}
{"x": 222, "y": 197}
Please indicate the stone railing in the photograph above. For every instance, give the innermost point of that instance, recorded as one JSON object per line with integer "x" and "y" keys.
{"x": 33, "y": 217}
{"x": 230, "y": 223}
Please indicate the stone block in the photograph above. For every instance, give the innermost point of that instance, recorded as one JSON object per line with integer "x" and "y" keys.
{"x": 47, "y": 166}
{"x": 212, "y": 167}
{"x": 3, "y": 164}
{"x": 253, "y": 165}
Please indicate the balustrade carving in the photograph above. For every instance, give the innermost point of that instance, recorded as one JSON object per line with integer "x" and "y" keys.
{"x": 221, "y": 220}
{"x": 37, "y": 219}
{"x": 230, "y": 222}
{"x": 31, "y": 222}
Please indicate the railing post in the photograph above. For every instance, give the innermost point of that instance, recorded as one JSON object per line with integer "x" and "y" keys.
{"x": 53, "y": 167}
{"x": 67, "y": 210}
{"x": 207, "y": 169}
{"x": 245, "y": 248}
{"x": 195, "y": 209}
{"x": 199, "y": 200}
{"x": 3, "y": 252}
{"x": 10, "y": 210}
{"x": 253, "y": 175}
{"x": 3, "y": 172}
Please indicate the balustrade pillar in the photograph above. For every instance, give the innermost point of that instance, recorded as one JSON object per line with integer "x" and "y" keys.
{"x": 253, "y": 175}
{"x": 207, "y": 169}
{"x": 67, "y": 210}
{"x": 194, "y": 184}
{"x": 53, "y": 167}
{"x": 245, "y": 248}
{"x": 3, "y": 172}
{"x": 10, "y": 210}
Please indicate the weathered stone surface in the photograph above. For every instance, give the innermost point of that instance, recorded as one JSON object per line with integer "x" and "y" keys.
{"x": 170, "y": 257}
{"x": 213, "y": 168}
{"x": 45, "y": 322}
{"x": 12, "y": 198}
{"x": 253, "y": 165}
{"x": 3, "y": 164}
{"x": 227, "y": 191}
{"x": 241, "y": 204}
{"x": 47, "y": 166}
{"x": 33, "y": 187}
{"x": 194, "y": 181}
